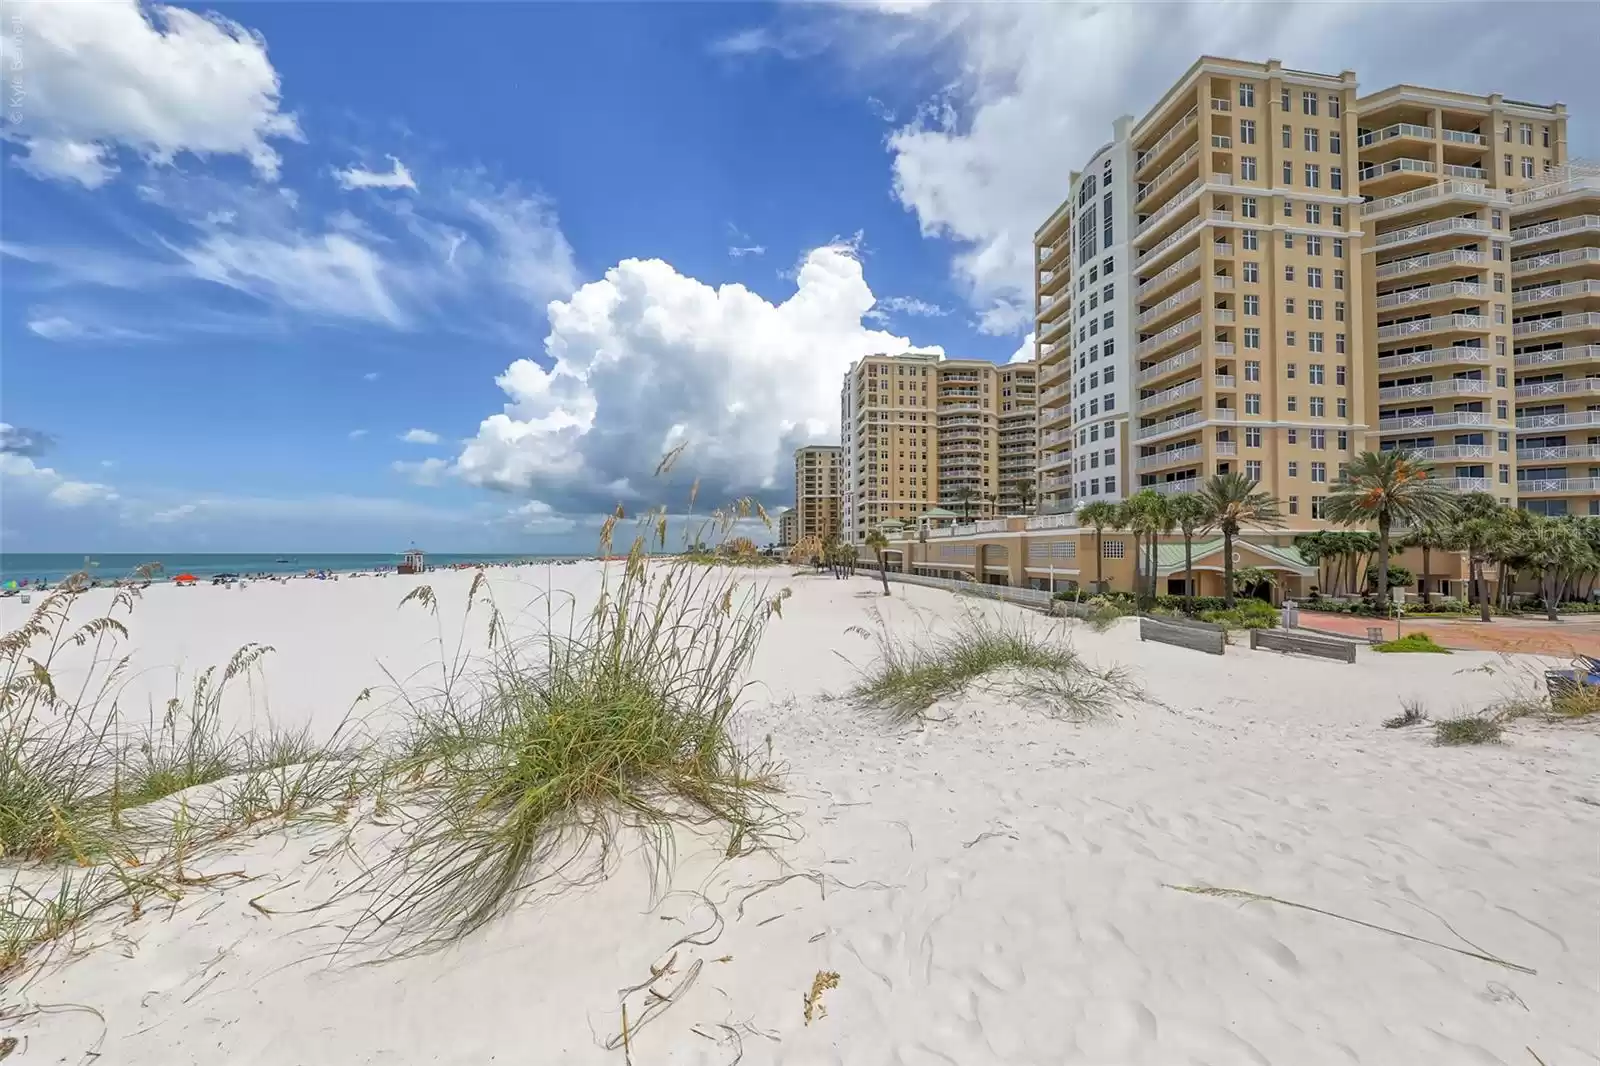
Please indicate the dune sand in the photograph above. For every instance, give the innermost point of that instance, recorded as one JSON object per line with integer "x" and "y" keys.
{"x": 990, "y": 887}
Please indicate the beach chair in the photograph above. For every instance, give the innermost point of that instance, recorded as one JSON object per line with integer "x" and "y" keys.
{"x": 1375, "y": 635}
{"x": 1561, "y": 683}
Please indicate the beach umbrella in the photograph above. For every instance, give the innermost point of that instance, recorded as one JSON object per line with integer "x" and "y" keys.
{"x": 184, "y": 577}
{"x": 10, "y": 585}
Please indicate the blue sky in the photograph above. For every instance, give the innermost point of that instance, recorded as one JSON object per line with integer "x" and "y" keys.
{"x": 246, "y": 253}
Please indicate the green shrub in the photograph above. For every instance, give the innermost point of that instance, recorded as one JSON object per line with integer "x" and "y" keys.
{"x": 1412, "y": 642}
{"x": 1468, "y": 729}
{"x": 1249, "y": 614}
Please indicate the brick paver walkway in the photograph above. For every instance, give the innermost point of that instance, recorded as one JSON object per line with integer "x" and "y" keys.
{"x": 1534, "y": 636}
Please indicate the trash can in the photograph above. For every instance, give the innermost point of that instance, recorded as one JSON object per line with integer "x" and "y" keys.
{"x": 1289, "y": 616}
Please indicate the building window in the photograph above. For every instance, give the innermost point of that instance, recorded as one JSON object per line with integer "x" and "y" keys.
{"x": 1503, "y": 441}
{"x": 1247, "y": 207}
{"x": 1333, "y": 105}
{"x": 1338, "y": 247}
{"x": 1335, "y": 141}
{"x": 1294, "y": 468}
{"x": 1288, "y": 136}
{"x": 1252, "y": 370}
{"x": 1288, "y": 305}
{"x": 1314, "y": 374}
{"x": 1314, "y": 340}
{"x": 1288, "y": 272}
{"x": 1247, "y": 94}
{"x": 1319, "y": 472}
{"x": 1252, "y": 337}
{"x": 1247, "y": 168}
{"x": 1111, "y": 549}
{"x": 1500, "y": 409}
{"x": 1525, "y": 132}
{"x": 1252, "y": 304}
{"x": 1288, "y": 172}
{"x": 1283, "y": 102}
{"x": 1313, "y": 244}
{"x": 1311, "y": 138}
{"x": 1338, "y": 375}
{"x": 1293, "y": 436}
{"x": 1343, "y": 407}
{"x": 1505, "y": 474}
{"x": 1252, "y": 271}
{"x": 1289, "y": 370}
{"x": 1252, "y": 437}
{"x": 1314, "y": 277}
{"x": 1314, "y": 310}
{"x": 1288, "y": 238}
{"x": 1507, "y": 164}
{"x": 1247, "y": 131}
{"x": 1313, "y": 176}
{"x": 1336, "y": 178}
{"x": 1506, "y": 134}
{"x": 1317, "y": 408}
{"x": 1252, "y": 469}
{"x": 1344, "y": 440}
{"x": 1500, "y": 377}
{"x": 1319, "y": 440}
{"x": 1308, "y": 103}
{"x": 1527, "y": 166}
{"x": 1338, "y": 283}
{"x": 1314, "y": 214}
{"x": 1252, "y": 403}
{"x": 1294, "y": 505}
{"x": 1338, "y": 214}
{"x": 1291, "y": 403}
{"x": 1316, "y": 506}
{"x": 1249, "y": 240}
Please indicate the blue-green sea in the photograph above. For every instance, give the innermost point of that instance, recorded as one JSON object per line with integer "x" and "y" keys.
{"x": 52, "y": 567}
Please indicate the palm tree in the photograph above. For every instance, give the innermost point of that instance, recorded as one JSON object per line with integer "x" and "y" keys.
{"x": 1023, "y": 487}
{"x": 1149, "y": 515}
{"x": 879, "y": 544}
{"x": 965, "y": 495}
{"x": 1188, "y": 514}
{"x": 1430, "y": 535}
{"x": 1129, "y": 519}
{"x": 1555, "y": 546}
{"x": 1387, "y": 487}
{"x": 1475, "y": 528}
{"x": 1233, "y": 501}
{"x": 1098, "y": 514}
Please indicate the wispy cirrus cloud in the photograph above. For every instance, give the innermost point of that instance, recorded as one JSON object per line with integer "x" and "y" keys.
{"x": 396, "y": 177}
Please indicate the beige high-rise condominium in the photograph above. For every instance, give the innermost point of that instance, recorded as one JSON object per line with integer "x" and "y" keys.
{"x": 1555, "y": 305}
{"x": 1437, "y": 170}
{"x": 921, "y": 432}
{"x": 1268, "y": 273}
{"x": 816, "y": 491}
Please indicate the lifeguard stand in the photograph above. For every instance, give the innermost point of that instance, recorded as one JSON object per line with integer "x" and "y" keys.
{"x": 414, "y": 562}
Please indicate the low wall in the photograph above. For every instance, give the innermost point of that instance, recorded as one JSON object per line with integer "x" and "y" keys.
{"x": 1211, "y": 641}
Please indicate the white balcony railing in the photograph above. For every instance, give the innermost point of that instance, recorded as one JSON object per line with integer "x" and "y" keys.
{"x": 1578, "y": 177}
{"x": 1167, "y": 366}
{"x": 1176, "y": 270}
{"x": 1427, "y": 293}
{"x": 1221, "y": 104}
{"x": 1462, "y": 137}
{"x": 1418, "y": 327}
{"x": 1442, "y": 227}
{"x": 1434, "y": 356}
{"x": 1396, "y": 166}
{"x": 1172, "y": 240}
{"x": 1558, "y": 484}
{"x": 1179, "y": 128}
{"x": 1224, "y": 381}
{"x": 1566, "y": 291}
{"x": 1542, "y": 231}
{"x": 1189, "y": 453}
{"x": 1170, "y": 425}
{"x": 1559, "y": 453}
{"x": 1445, "y": 387}
{"x": 1563, "y": 420}
{"x": 1456, "y": 257}
{"x": 1453, "y": 452}
{"x": 1558, "y": 324}
{"x": 1528, "y": 263}
{"x": 1452, "y": 190}
{"x": 1167, "y": 173}
{"x": 1581, "y": 353}
{"x": 1170, "y": 396}
{"x": 1399, "y": 129}
{"x": 1067, "y": 520}
{"x": 1187, "y": 294}
{"x": 1179, "y": 199}
{"x": 1174, "y": 487}
{"x": 1167, "y": 336}
{"x": 1222, "y": 316}
{"x": 1225, "y": 447}
{"x": 1441, "y": 420}
{"x": 1456, "y": 170}
{"x": 1570, "y": 387}
{"x": 1464, "y": 484}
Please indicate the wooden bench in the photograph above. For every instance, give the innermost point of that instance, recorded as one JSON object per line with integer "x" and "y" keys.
{"x": 1212, "y": 641}
{"x": 1300, "y": 644}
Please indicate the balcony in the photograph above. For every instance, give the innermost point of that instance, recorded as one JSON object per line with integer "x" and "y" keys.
{"x": 1154, "y": 284}
{"x": 1166, "y": 398}
{"x": 1434, "y": 357}
{"x": 1441, "y": 324}
{"x": 1168, "y": 139}
{"x": 1168, "y": 366}
{"x": 1221, "y": 347}
{"x": 1222, "y": 250}
{"x": 1444, "y": 227}
{"x": 1067, "y": 520}
{"x": 1166, "y": 337}
{"x": 1449, "y": 290}
{"x": 1222, "y": 316}
{"x": 1463, "y": 484}
{"x": 1225, "y": 448}
{"x": 1559, "y": 453}
{"x": 1225, "y": 414}
{"x": 1455, "y": 170}
{"x": 1570, "y": 387}
{"x": 1056, "y": 436}
{"x": 1582, "y": 353}
{"x": 1583, "y": 320}
{"x": 1221, "y": 104}
{"x": 1180, "y": 199}
{"x": 1170, "y": 171}
{"x": 1154, "y": 314}
{"x": 1453, "y": 451}
{"x": 1571, "y": 290}
{"x": 1170, "y": 425}
{"x": 1389, "y": 133}
{"x": 1183, "y": 233}
{"x": 1455, "y": 258}
{"x": 1463, "y": 137}
{"x": 1379, "y": 171}
{"x": 1174, "y": 487}
{"x": 1564, "y": 420}
{"x": 1424, "y": 389}
{"x": 1441, "y": 420}
{"x": 1189, "y": 453}
{"x": 948, "y": 407}
{"x": 1557, "y": 485}
{"x": 1441, "y": 192}
{"x": 1528, "y": 264}
{"x": 1544, "y": 231}
{"x": 1581, "y": 178}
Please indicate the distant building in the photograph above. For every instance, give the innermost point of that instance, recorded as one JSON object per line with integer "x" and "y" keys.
{"x": 816, "y": 491}
{"x": 788, "y": 524}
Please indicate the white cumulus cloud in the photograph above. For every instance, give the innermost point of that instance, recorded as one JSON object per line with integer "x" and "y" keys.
{"x": 426, "y": 472}
{"x": 1024, "y": 352}
{"x": 31, "y": 477}
{"x": 420, "y": 436}
{"x": 396, "y": 177}
{"x": 645, "y": 360}
{"x": 156, "y": 80}
{"x": 536, "y": 516}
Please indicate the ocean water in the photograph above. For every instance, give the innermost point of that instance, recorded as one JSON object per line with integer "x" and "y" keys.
{"x": 32, "y": 566}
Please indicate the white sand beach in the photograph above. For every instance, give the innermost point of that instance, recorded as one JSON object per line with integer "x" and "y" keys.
{"x": 991, "y": 886}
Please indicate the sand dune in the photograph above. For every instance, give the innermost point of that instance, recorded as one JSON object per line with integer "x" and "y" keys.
{"x": 990, "y": 887}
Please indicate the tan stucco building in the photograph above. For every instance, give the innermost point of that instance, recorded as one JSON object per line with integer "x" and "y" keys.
{"x": 816, "y": 492}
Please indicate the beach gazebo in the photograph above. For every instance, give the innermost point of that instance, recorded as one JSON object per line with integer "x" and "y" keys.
{"x": 935, "y": 518}
{"x": 414, "y": 562}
